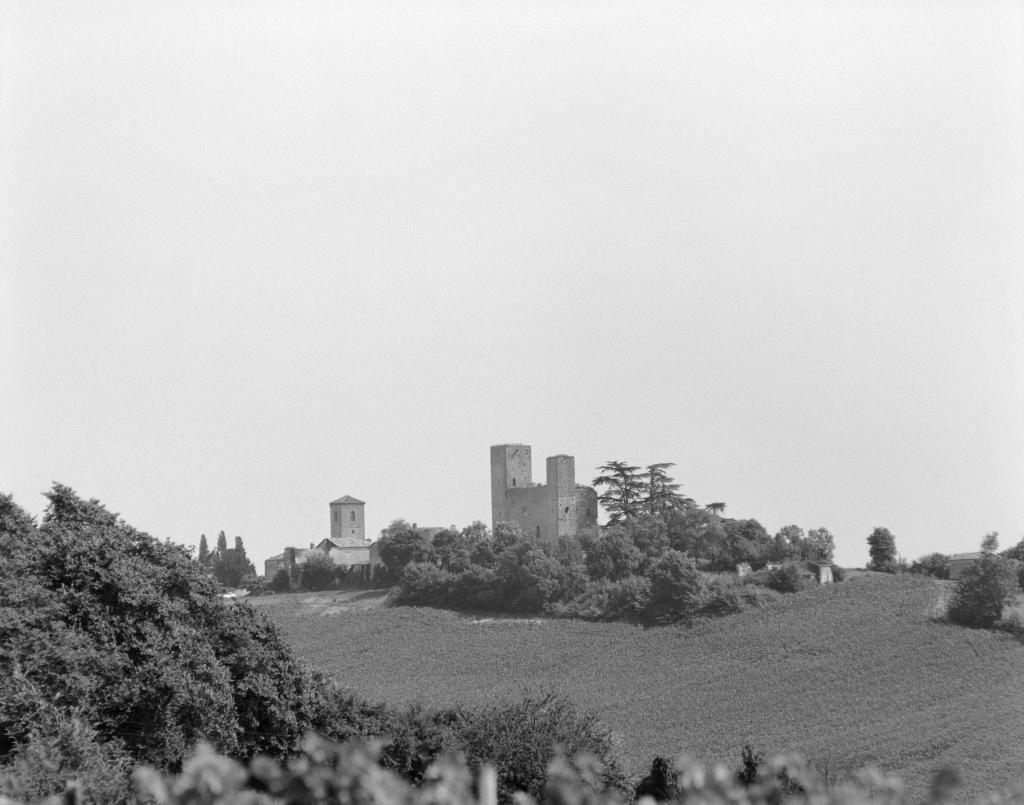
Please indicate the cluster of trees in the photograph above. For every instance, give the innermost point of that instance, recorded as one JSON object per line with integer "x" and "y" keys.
{"x": 650, "y": 568}
{"x": 117, "y": 650}
{"x": 635, "y": 498}
{"x": 230, "y": 566}
{"x": 662, "y": 558}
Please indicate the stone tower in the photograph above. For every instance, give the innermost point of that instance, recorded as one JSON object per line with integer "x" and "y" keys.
{"x": 348, "y": 521}
{"x": 558, "y": 508}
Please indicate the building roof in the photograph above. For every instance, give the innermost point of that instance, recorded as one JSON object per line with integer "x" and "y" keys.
{"x": 348, "y": 499}
{"x": 967, "y": 556}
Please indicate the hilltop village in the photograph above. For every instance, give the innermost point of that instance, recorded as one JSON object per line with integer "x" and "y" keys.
{"x": 557, "y": 508}
{"x": 546, "y": 536}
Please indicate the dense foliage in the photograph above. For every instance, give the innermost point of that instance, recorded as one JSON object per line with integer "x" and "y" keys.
{"x": 106, "y": 626}
{"x": 118, "y": 649}
{"x": 934, "y": 564}
{"x": 352, "y": 773}
{"x": 668, "y": 567}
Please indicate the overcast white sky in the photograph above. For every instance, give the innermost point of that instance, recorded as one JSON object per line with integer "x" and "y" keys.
{"x": 255, "y": 256}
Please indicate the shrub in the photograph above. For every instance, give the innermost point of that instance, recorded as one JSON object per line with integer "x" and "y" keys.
{"x": 424, "y": 583}
{"x": 985, "y": 588}
{"x": 722, "y": 597}
{"x": 612, "y": 556}
{"x": 521, "y": 737}
{"x": 62, "y": 747}
{"x": 661, "y": 784}
{"x": 517, "y": 738}
{"x": 753, "y": 595}
{"x": 476, "y": 588}
{"x": 529, "y": 577}
{"x": 281, "y": 582}
{"x": 677, "y": 589}
{"x": 934, "y": 564}
{"x": 317, "y": 572}
{"x": 132, "y": 634}
{"x": 787, "y": 578}
{"x": 626, "y": 599}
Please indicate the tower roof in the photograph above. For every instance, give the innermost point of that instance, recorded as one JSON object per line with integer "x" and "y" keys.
{"x": 348, "y": 499}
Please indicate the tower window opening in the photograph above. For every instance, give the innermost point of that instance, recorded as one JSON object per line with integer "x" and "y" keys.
{"x": 566, "y": 509}
{"x": 513, "y": 482}
{"x": 335, "y": 517}
{"x": 352, "y": 517}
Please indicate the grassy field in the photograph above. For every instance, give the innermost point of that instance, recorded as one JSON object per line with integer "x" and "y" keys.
{"x": 846, "y": 674}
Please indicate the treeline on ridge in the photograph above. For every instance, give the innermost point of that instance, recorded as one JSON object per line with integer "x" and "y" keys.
{"x": 663, "y": 567}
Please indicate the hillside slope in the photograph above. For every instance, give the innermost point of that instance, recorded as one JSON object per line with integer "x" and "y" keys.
{"x": 846, "y": 674}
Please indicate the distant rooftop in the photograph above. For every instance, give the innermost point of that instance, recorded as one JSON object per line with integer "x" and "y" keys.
{"x": 974, "y": 555}
{"x": 348, "y": 499}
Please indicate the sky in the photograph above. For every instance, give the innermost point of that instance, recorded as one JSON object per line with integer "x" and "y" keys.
{"x": 255, "y": 256}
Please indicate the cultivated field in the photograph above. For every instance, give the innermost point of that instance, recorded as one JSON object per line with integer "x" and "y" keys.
{"x": 846, "y": 674}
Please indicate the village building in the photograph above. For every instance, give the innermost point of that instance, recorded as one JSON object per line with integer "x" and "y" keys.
{"x": 347, "y": 546}
{"x": 558, "y": 508}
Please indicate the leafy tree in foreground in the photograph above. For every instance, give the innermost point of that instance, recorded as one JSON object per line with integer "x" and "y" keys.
{"x": 103, "y": 625}
{"x": 882, "y": 548}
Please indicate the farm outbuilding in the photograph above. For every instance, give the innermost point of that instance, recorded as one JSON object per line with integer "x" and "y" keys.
{"x": 959, "y": 562}
{"x": 822, "y": 571}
